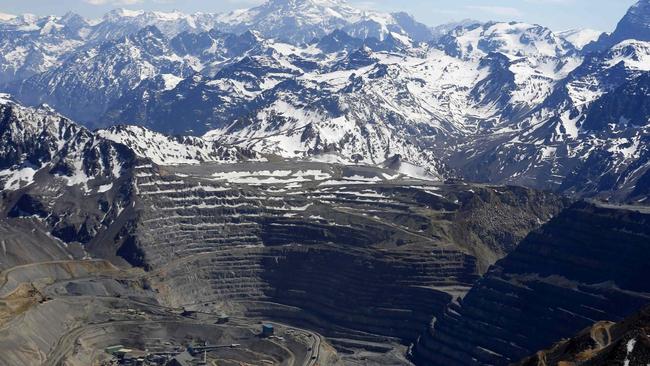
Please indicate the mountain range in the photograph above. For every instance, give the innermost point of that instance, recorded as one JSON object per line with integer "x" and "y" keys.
{"x": 495, "y": 102}
{"x": 308, "y": 183}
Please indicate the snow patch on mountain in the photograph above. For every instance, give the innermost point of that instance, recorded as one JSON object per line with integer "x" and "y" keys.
{"x": 17, "y": 178}
{"x": 85, "y": 85}
{"x": 171, "y": 81}
{"x": 633, "y": 54}
{"x": 167, "y": 150}
{"x": 579, "y": 38}
{"x": 5, "y": 98}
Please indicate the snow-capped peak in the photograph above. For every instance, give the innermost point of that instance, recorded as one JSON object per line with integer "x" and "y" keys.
{"x": 512, "y": 39}
{"x": 5, "y": 16}
{"x": 298, "y": 3}
{"x": 164, "y": 16}
{"x": 301, "y": 21}
{"x": 124, "y": 13}
{"x": 309, "y": 12}
{"x": 121, "y": 22}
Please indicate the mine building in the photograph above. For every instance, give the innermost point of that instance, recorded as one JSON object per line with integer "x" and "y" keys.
{"x": 267, "y": 330}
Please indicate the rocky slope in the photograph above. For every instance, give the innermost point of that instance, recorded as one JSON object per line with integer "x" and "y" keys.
{"x": 584, "y": 266}
{"x": 634, "y": 25}
{"x": 87, "y": 83}
{"x": 37, "y": 140}
{"x": 32, "y": 45}
{"x": 604, "y": 343}
{"x": 52, "y": 167}
{"x": 577, "y": 141}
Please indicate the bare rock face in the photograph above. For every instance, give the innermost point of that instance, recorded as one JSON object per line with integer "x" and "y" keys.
{"x": 634, "y": 25}
{"x": 605, "y": 343}
{"x": 588, "y": 264}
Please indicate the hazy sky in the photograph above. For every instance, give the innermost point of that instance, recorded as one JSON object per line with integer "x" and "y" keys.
{"x": 556, "y": 14}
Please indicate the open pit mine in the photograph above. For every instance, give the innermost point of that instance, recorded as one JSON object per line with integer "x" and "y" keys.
{"x": 114, "y": 254}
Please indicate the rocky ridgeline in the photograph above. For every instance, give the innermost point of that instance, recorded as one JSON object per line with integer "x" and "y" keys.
{"x": 588, "y": 264}
{"x": 387, "y": 293}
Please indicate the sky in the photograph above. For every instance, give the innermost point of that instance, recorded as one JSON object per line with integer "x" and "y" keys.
{"x": 556, "y": 14}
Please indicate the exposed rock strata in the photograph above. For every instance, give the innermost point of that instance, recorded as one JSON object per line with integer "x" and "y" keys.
{"x": 589, "y": 264}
